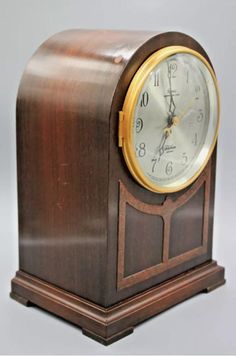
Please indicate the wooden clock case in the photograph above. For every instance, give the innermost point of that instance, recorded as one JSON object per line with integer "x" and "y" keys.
{"x": 95, "y": 247}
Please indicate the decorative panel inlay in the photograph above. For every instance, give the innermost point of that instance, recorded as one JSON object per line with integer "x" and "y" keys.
{"x": 161, "y": 220}
{"x": 192, "y": 211}
{"x": 148, "y": 241}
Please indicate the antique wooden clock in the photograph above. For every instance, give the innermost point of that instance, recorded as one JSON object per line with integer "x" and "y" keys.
{"x": 116, "y": 154}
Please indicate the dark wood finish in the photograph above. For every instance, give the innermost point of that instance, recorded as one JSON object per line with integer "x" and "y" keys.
{"x": 107, "y": 325}
{"x": 119, "y": 171}
{"x": 214, "y": 286}
{"x": 179, "y": 240}
{"x": 190, "y": 239}
{"x": 71, "y": 172}
{"x": 21, "y": 300}
{"x": 147, "y": 251}
{"x": 107, "y": 340}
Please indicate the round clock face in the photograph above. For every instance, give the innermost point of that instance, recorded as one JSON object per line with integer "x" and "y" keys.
{"x": 171, "y": 115}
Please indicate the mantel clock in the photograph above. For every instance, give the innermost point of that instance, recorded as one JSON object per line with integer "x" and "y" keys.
{"x": 116, "y": 156}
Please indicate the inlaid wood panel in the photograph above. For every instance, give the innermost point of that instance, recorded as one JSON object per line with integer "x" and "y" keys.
{"x": 85, "y": 254}
{"x": 70, "y": 165}
{"x": 186, "y": 237}
{"x": 144, "y": 240}
{"x": 179, "y": 242}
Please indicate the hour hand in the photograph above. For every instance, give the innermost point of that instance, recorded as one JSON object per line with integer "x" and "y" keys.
{"x": 167, "y": 131}
{"x": 161, "y": 148}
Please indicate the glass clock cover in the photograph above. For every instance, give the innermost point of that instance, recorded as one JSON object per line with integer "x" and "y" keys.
{"x": 171, "y": 112}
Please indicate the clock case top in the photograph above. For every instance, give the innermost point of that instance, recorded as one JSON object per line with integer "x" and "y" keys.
{"x": 73, "y": 183}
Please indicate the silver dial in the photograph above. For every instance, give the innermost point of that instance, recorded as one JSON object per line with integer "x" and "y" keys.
{"x": 175, "y": 120}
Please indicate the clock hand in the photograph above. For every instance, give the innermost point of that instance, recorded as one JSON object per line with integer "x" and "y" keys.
{"x": 183, "y": 113}
{"x": 174, "y": 121}
{"x": 160, "y": 148}
{"x": 162, "y": 144}
{"x": 172, "y": 105}
{"x": 170, "y": 121}
{"x": 167, "y": 131}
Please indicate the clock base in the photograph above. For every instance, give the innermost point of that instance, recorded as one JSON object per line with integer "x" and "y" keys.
{"x": 107, "y": 325}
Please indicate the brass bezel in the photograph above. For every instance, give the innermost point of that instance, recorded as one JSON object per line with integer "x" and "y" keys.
{"x": 127, "y": 115}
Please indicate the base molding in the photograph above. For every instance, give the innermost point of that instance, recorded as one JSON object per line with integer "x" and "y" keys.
{"x": 107, "y": 325}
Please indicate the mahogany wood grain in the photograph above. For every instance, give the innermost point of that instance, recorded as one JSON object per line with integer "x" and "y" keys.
{"x": 190, "y": 240}
{"x": 107, "y": 325}
{"x": 69, "y": 172}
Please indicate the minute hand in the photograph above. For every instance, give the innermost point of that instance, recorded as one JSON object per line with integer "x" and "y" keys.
{"x": 172, "y": 105}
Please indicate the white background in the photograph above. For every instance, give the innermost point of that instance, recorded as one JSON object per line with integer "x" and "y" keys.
{"x": 205, "y": 324}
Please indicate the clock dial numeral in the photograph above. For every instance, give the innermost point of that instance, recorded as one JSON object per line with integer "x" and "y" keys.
{"x": 156, "y": 79}
{"x": 154, "y": 162}
{"x": 195, "y": 139}
{"x": 171, "y": 121}
{"x": 139, "y": 125}
{"x": 169, "y": 168}
{"x": 197, "y": 92}
{"x": 141, "y": 149}
{"x": 187, "y": 77}
{"x": 200, "y": 116}
{"x": 173, "y": 69}
{"x": 184, "y": 159}
{"x": 144, "y": 99}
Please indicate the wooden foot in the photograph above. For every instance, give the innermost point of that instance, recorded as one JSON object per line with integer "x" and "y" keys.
{"x": 109, "y": 340}
{"x": 107, "y": 325}
{"x": 214, "y": 286}
{"x": 21, "y": 300}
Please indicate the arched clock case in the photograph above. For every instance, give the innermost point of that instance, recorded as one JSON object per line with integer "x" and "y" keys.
{"x": 98, "y": 246}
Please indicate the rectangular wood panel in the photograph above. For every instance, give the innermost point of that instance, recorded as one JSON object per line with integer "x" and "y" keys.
{"x": 143, "y": 240}
{"x": 185, "y": 237}
{"x": 140, "y": 235}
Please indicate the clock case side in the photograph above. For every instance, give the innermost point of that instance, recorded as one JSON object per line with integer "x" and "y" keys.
{"x": 67, "y": 111}
{"x": 63, "y": 111}
{"x": 119, "y": 173}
